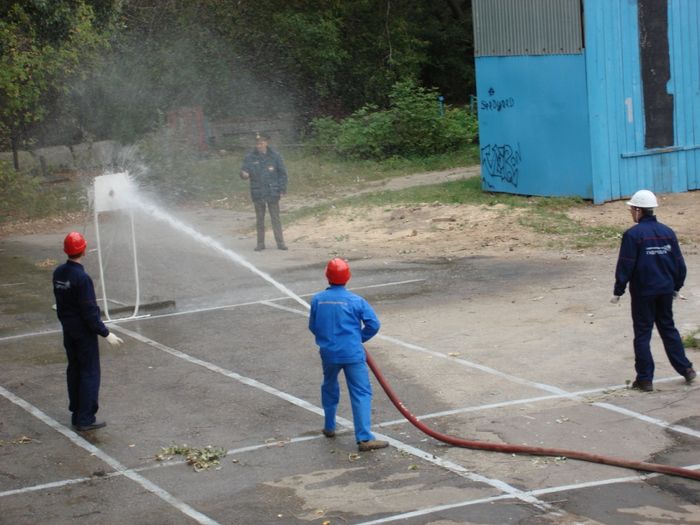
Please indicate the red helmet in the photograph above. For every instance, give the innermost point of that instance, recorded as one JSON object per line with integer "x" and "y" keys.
{"x": 337, "y": 271}
{"x": 74, "y": 244}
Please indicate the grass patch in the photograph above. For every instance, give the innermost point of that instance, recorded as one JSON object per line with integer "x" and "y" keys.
{"x": 314, "y": 174}
{"x": 215, "y": 179}
{"x": 690, "y": 341}
{"x": 25, "y": 197}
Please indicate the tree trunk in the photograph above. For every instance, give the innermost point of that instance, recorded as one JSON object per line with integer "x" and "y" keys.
{"x": 15, "y": 156}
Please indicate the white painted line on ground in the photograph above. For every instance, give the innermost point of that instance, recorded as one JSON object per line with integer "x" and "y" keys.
{"x": 30, "y": 334}
{"x": 410, "y": 346}
{"x": 158, "y": 465}
{"x": 536, "y": 492}
{"x": 489, "y": 406}
{"x": 44, "y": 486}
{"x": 654, "y": 421}
{"x": 510, "y": 492}
{"x": 227, "y": 373}
{"x": 557, "y": 392}
{"x": 449, "y": 465}
{"x": 113, "y": 463}
{"x": 482, "y": 368}
{"x": 268, "y": 302}
{"x": 522, "y": 401}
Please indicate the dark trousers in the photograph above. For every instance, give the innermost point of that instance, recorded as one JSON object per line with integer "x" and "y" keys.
{"x": 274, "y": 207}
{"x": 647, "y": 312}
{"x": 83, "y": 375}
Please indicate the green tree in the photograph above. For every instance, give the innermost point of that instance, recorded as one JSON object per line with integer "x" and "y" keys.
{"x": 232, "y": 58}
{"x": 42, "y": 45}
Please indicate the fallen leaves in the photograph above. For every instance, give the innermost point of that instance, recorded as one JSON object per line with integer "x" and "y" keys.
{"x": 23, "y": 440}
{"x": 199, "y": 458}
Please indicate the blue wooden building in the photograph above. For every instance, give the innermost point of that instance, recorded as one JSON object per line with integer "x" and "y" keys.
{"x": 593, "y": 98}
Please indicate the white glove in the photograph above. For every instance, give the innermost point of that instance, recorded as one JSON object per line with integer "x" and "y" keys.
{"x": 615, "y": 299}
{"x": 114, "y": 340}
{"x": 679, "y": 295}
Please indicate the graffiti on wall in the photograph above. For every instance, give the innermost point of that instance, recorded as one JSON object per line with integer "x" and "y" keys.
{"x": 502, "y": 161}
{"x": 496, "y": 104}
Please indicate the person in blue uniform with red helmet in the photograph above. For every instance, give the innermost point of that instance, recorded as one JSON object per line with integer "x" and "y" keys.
{"x": 77, "y": 310}
{"x": 342, "y": 321}
{"x": 651, "y": 262}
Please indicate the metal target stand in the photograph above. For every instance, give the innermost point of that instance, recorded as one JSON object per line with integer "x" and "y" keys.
{"x": 111, "y": 193}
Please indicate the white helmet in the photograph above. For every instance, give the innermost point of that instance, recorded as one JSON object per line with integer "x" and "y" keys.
{"x": 643, "y": 199}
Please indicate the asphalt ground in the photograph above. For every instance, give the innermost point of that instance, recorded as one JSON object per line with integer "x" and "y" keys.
{"x": 521, "y": 351}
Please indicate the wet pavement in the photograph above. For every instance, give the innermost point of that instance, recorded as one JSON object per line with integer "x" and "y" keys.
{"x": 522, "y": 351}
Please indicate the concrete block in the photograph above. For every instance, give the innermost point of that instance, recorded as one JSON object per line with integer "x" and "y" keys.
{"x": 105, "y": 153}
{"x": 27, "y": 161}
{"x": 82, "y": 155}
{"x": 55, "y": 157}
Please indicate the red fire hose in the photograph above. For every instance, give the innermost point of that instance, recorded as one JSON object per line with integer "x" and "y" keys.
{"x": 524, "y": 449}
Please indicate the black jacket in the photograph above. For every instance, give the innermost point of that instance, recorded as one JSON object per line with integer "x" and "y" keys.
{"x": 268, "y": 175}
{"x": 76, "y": 305}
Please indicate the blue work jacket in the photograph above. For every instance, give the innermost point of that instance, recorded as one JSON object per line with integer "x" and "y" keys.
{"x": 341, "y": 322}
{"x": 650, "y": 260}
{"x": 76, "y": 305}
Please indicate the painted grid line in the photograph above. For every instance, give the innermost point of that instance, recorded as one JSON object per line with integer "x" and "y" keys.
{"x": 536, "y": 492}
{"x": 426, "y": 456}
{"x": 268, "y": 302}
{"x": 509, "y": 491}
{"x": 346, "y": 425}
{"x": 109, "y": 460}
{"x": 557, "y": 392}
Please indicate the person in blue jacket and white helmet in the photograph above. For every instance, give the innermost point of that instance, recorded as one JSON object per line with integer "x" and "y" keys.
{"x": 342, "y": 321}
{"x": 651, "y": 262}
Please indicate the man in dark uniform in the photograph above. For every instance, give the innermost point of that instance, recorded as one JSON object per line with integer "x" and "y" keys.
{"x": 652, "y": 263}
{"x": 76, "y": 307}
{"x": 265, "y": 169}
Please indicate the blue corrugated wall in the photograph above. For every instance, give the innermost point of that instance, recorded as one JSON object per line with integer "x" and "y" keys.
{"x": 621, "y": 165}
{"x": 577, "y": 124}
{"x": 533, "y": 125}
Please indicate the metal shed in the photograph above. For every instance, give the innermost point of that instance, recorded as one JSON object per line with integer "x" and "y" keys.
{"x": 592, "y": 98}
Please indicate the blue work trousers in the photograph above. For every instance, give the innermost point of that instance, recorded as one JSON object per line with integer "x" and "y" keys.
{"x": 647, "y": 312}
{"x": 360, "y": 389}
{"x": 83, "y": 375}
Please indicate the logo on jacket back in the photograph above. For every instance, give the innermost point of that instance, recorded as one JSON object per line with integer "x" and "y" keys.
{"x": 658, "y": 250}
{"x": 61, "y": 285}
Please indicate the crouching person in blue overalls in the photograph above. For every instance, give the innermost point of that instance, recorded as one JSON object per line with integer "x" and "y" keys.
{"x": 651, "y": 262}
{"x": 76, "y": 307}
{"x": 342, "y": 321}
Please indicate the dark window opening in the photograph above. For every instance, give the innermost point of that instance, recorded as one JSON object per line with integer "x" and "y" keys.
{"x": 656, "y": 72}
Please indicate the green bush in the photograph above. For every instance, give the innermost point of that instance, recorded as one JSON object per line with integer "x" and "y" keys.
{"x": 413, "y": 125}
{"x": 24, "y": 197}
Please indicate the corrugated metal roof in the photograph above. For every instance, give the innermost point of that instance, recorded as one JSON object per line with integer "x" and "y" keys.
{"x": 527, "y": 27}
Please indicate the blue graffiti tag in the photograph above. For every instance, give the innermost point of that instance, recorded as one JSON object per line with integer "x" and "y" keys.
{"x": 497, "y": 105}
{"x": 502, "y": 161}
